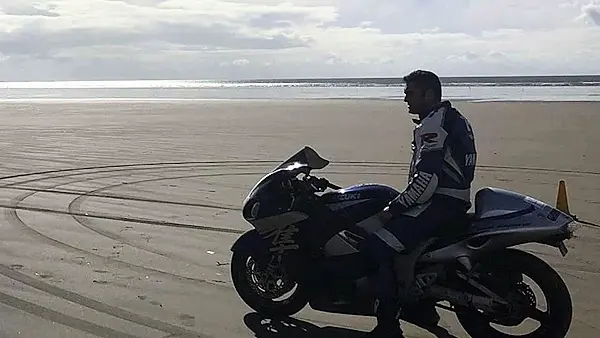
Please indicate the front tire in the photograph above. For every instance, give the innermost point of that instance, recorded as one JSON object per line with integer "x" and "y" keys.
{"x": 554, "y": 323}
{"x": 259, "y": 286}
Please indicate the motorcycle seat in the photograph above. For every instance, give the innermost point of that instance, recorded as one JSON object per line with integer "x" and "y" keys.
{"x": 454, "y": 232}
{"x": 493, "y": 203}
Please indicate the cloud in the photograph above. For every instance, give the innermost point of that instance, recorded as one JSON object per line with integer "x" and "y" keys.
{"x": 37, "y": 40}
{"x": 89, "y": 39}
{"x": 18, "y": 8}
{"x": 592, "y": 11}
{"x": 240, "y": 62}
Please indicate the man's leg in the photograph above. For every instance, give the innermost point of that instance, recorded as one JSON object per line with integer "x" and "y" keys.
{"x": 414, "y": 230}
{"x": 381, "y": 250}
{"x": 400, "y": 237}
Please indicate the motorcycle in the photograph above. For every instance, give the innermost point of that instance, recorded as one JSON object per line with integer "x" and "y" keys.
{"x": 307, "y": 235}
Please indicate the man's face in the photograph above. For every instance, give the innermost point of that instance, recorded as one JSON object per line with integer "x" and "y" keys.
{"x": 415, "y": 98}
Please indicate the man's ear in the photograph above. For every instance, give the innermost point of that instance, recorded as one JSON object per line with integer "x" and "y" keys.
{"x": 429, "y": 95}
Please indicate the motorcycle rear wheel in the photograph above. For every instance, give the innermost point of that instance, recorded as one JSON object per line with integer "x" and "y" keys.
{"x": 554, "y": 323}
{"x": 259, "y": 287}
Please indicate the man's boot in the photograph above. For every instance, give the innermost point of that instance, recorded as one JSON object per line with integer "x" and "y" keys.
{"x": 388, "y": 325}
{"x": 422, "y": 314}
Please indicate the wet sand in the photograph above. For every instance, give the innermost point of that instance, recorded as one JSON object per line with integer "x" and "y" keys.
{"x": 97, "y": 198}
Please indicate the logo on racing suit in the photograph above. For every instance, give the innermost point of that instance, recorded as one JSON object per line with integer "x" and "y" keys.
{"x": 470, "y": 159}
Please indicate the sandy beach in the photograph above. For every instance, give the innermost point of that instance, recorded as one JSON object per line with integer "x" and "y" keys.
{"x": 85, "y": 186}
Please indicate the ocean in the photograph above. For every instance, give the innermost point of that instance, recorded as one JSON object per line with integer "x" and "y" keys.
{"x": 479, "y": 89}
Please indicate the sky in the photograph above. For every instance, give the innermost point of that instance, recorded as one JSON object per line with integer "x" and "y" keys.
{"x": 241, "y": 39}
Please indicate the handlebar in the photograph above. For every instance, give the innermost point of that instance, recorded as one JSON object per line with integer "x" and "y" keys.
{"x": 320, "y": 184}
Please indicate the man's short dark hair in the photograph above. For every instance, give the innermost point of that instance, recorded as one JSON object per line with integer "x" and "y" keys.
{"x": 425, "y": 79}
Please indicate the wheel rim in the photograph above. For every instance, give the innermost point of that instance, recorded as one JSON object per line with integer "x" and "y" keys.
{"x": 269, "y": 281}
{"x": 523, "y": 317}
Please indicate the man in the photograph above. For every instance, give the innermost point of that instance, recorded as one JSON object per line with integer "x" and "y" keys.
{"x": 438, "y": 192}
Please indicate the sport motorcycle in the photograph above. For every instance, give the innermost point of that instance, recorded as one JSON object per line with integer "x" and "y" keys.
{"x": 306, "y": 243}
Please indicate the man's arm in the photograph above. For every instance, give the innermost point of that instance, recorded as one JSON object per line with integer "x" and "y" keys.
{"x": 424, "y": 180}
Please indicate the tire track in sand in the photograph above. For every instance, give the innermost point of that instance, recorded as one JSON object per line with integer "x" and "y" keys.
{"x": 74, "y": 209}
{"x": 80, "y": 216}
{"x": 119, "y": 167}
{"x": 246, "y": 163}
{"x": 92, "y": 304}
{"x": 70, "y": 321}
{"x": 61, "y": 318}
{"x": 15, "y": 220}
{"x": 86, "y": 171}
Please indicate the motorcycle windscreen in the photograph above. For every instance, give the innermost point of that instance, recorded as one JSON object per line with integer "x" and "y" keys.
{"x": 306, "y": 156}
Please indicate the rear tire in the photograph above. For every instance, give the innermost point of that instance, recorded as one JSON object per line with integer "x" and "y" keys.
{"x": 253, "y": 292}
{"x": 554, "y": 323}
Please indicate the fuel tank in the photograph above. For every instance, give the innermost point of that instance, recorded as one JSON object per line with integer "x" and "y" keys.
{"x": 360, "y": 201}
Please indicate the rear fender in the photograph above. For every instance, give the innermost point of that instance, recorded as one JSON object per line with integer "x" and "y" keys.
{"x": 251, "y": 241}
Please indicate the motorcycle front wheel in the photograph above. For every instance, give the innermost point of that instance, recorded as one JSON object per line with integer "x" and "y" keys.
{"x": 261, "y": 282}
{"x": 554, "y": 322}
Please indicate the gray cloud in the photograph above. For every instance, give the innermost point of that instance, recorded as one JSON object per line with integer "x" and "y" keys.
{"x": 593, "y": 12}
{"x": 453, "y": 16}
{"x": 277, "y": 20}
{"x": 22, "y": 9}
{"x": 218, "y": 36}
{"x": 34, "y": 41}
{"x": 141, "y": 3}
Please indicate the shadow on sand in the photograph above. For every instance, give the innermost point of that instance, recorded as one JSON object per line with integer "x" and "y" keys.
{"x": 264, "y": 327}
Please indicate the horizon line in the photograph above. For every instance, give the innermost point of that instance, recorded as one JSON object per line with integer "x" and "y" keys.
{"x": 305, "y": 78}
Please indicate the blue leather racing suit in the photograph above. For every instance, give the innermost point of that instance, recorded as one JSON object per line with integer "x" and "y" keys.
{"x": 438, "y": 192}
